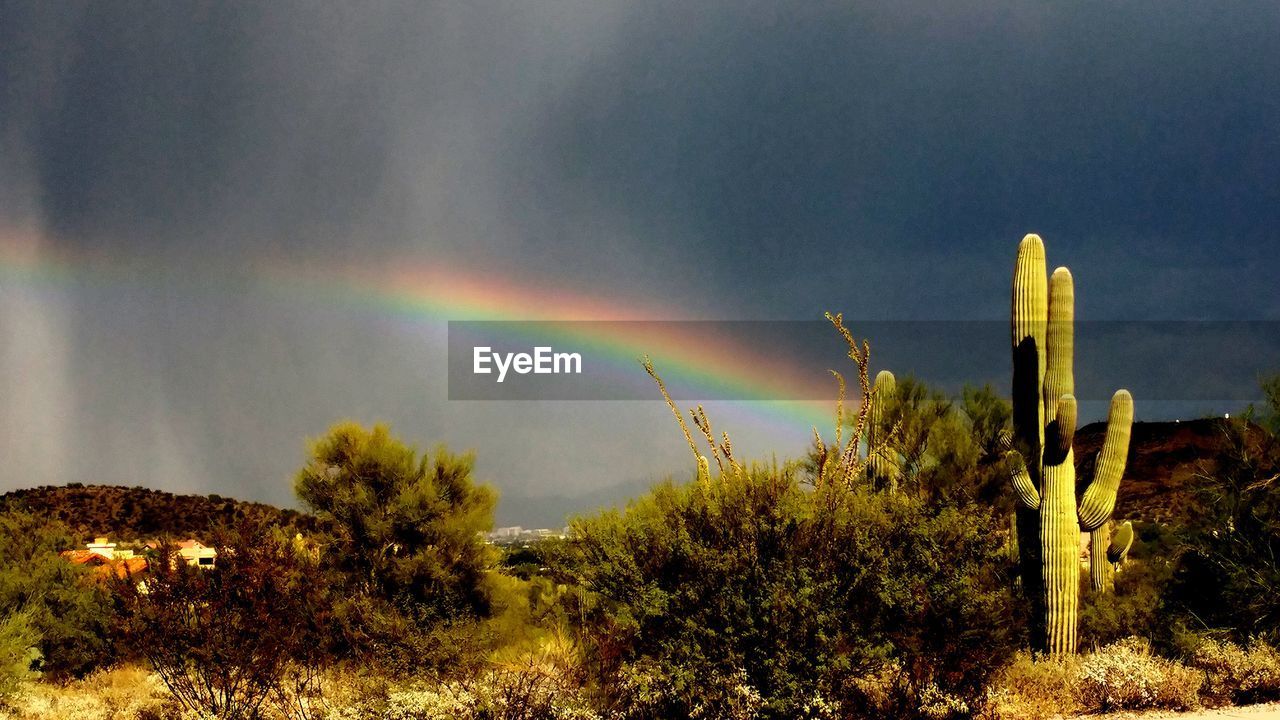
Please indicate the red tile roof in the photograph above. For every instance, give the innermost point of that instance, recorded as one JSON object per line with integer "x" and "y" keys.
{"x": 104, "y": 567}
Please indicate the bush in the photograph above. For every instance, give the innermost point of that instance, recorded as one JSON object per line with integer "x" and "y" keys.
{"x": 948, "y": 450}
{"x": 229, "y": 639}
{"x": 1133, "y": 609}
{"x": 532, "y": 684}
{"x": 1228, "y": 573}
{"x": 69, "y": 611}
{"x": 1121, "y": 676}
{"x": 402, "y": 537}
{"x": 119, "y": 693}
{"x": 1235, "y": 674}
{"x": 18, "y": 641}
{"x": 753, "y": 592}
{"x": 1126, "y": 676}
{"x": 1030, "y": 689}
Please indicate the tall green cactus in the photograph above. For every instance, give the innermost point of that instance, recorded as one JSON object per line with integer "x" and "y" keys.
{"x": 1044, "y": 416}
{"x": 882, "y": 460}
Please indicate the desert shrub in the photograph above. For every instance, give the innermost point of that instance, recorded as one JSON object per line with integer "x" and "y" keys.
{"x": 430, "y": 703}
{"x": 947, "y": 450}
{"x": 1127, "y": 676}
{"x": 229, "y": 640}
{"x": 750, "y": 594}
{"x": 1124, "y": 675}
{"x": 18, "y": 651}
{"x": 1031, "y": 689}
{"x": 1267, "y": 415}
{"x": 342, "y": 691}
{"x": 68, "y": 610}
{"x": 1133, "y": 609}
{"x": 402, "y": 538}
{"x": 524, "y": 685}
{"x": 118, "y": 693}
{"x": 1236, "y": 674}
{"x": 539, "y": 681}
{"x": 1228, "y": 573}
{"x": 752, "y": 591}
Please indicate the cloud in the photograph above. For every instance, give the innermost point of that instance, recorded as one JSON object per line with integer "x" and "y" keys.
{"x": 735, "y": 160}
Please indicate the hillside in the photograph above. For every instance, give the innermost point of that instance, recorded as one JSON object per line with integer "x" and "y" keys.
{"x": 1164, "y": 458}
{"x": 140, "y": 513}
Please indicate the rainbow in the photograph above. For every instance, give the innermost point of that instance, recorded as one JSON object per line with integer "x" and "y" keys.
{"x": 718, "y": 367}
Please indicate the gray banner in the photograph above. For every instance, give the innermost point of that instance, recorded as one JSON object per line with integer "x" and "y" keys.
{"x": 1174, "y": 361}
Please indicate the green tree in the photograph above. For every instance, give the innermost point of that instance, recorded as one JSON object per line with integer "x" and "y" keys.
{"x": 948, "y": 450}
{"x": 1228, "y": 568}
{"x": 401, "y": 531}
{"x": 68, "y": 608}
{"x": 1268, "y": 414}
{"x": 18, "y": 651}
{"x": 232, "y": 640}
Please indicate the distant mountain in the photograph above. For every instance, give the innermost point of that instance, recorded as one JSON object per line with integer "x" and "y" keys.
{"x": 139, "y": 513}
{"x": 1158, "y": 485}
{"x": 554, "y": 511}
{"x": 1164, "y": 459}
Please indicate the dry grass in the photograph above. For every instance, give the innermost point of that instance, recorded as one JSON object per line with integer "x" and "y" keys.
{"x": 838, "y": 464}
{"x": 1035, "y": 690}
{"x": 127, "y": 693}
{"x": 1121, "y": 676}
{"x": 541, "y": 679}
{"x": 1235, "y": 674}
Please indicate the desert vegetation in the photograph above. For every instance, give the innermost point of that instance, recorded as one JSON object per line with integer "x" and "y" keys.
{"x": 922, "y": 560}
{"x": 134, "y": 514}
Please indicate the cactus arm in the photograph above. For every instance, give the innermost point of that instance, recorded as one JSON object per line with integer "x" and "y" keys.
{"x": 1121, "y": 541}
{"x": 1107, "y": 550}
{"x": 1023, "y": 486}
{"x": 1100, "y": 497}
{"x": 1061, "y": 432}
{"x": 1059, "y": 379}
{"x": 1101, "y": 572}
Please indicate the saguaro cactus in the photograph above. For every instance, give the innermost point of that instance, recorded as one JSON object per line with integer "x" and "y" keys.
{"x": 882, "y": 460}
{"x": 1048, "y": 519}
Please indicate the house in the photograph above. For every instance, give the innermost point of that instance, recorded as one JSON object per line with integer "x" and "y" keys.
{"x": 106, "y": 559}
{"x": 197, "y": 553}
{"x": 191, "y": 551}
{"x": 104, "y": 547}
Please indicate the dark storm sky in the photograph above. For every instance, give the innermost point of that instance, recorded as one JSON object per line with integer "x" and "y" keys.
{"x": 735, "y": 160}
